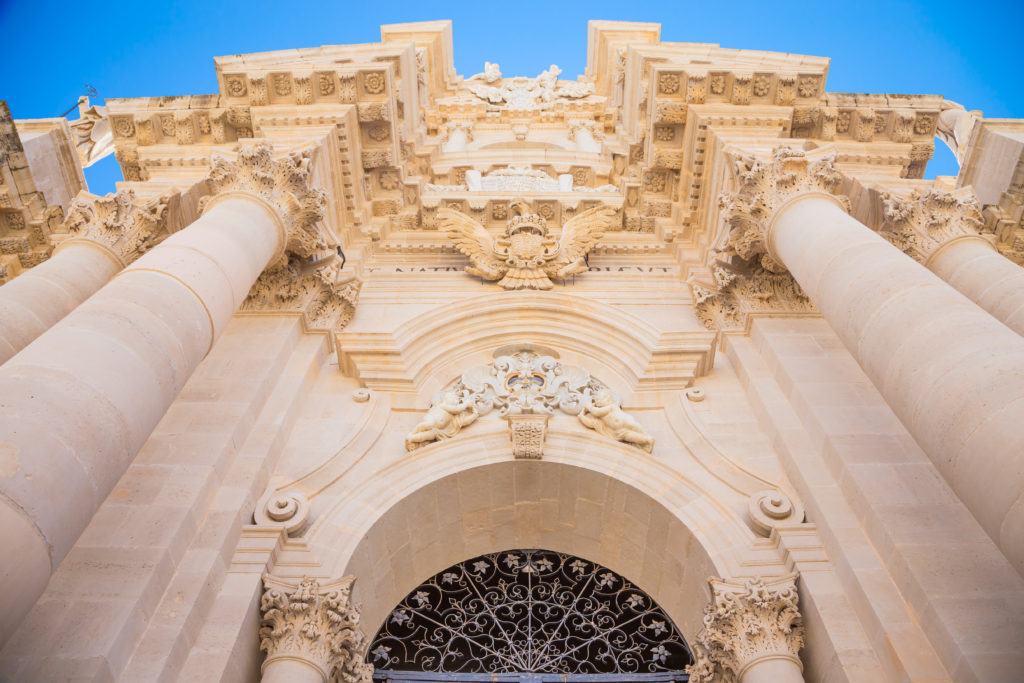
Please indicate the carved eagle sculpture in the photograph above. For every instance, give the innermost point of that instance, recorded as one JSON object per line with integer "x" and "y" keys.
{"x": 526, "y": 256}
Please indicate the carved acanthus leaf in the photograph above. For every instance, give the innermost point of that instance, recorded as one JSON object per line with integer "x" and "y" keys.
{"x": 119, "y": 222}
{"x": 744, "y": 623}
{"x": 737, "y": 289}
{"x": 323, "y": 295}
{"x": 921, "y": 223}
{"x": 315, "y": 623}
{"x": 284, "y": 183}
{"x": 762, "y": 186}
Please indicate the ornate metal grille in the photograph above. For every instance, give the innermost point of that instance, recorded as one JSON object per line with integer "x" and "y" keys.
{"x": 529, "y": 611}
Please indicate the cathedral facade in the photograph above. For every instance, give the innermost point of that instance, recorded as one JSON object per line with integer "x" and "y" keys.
{"x": 369, "y": 370}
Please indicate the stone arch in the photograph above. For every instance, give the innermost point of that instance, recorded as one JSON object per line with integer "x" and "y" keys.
{"x": 602, "y": 501}
{"x": 431, "y": 349}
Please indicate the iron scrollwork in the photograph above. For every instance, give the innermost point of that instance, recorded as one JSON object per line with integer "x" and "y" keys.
{"x": 529, "y": 611}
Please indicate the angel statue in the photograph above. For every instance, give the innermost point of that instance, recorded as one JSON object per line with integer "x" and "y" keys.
{"x": 603, "y": 414}
{"x": 448, "y": 414}
{"x": 526, "y": 256}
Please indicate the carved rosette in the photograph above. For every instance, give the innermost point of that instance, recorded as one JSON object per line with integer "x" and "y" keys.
{"x": 922, "y": 223}
{"x": 314, "y": 623}
{"x": 324, "y": 297}
{"x": 746, "y": 623}
{"x": 284, "y": 183}
{"x": 119, "y": 222}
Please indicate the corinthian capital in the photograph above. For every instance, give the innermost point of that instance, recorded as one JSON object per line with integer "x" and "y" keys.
{"x": 746, "y": 623}
{"x": 922, "y": 223}
{"x": 122, "y": 225}
{"x": 316, "y": 624}
{"x": 283, "y": 183}
{"x": 763, "y": 186}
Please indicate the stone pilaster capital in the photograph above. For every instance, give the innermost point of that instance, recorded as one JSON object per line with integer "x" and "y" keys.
{"x": 319, "y": 291}
{"x": 119, "y": 224}
{"x": 923, "y": 223}
{"x": 747, "y": 622}
{"x": 763, "y": 187}
{"x": 316, "y": 624}
{"x": 283, "y": 184}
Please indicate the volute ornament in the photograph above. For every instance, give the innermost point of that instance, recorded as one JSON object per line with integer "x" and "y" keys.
{"x": 526, "y": 387}
{"x": 918, "y": 225}
{"x": 526, "y": 256}
{"x": 119, "y": 222}
{"x": 315, "y": 623}
{"x": 284, "y": 183}
{"x": 746, "y": 623}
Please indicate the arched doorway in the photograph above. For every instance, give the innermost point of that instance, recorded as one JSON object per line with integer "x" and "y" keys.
{"x": 528, "y": 615}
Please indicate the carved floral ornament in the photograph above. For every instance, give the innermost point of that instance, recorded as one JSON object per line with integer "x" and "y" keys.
{"x": 119, "y": 222}
{"x": 526, "y": 388}
{"x": 315, "y": 623}
{"x": 527, "y": 256}
{"x": 746, "y": 623}
{"x": 922, "y": 223}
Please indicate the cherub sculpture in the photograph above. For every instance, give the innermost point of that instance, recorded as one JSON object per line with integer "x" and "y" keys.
{"x": 446, "y": 417}
{"x": 603, "y": 414}
{"x": 527, "y": 255}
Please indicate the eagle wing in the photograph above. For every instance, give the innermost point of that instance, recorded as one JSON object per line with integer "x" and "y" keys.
{"x": 473, "y": 240}
{"x": 579, "y": 235}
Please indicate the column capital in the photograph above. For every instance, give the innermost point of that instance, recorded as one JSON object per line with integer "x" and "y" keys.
{"x": 746, "y": 623}
{"x": 119, "y": 224}
{"x": 316, "y": 624}
{"x": 283, "y": 183}
{"x": 923, "y": 223}
{"x": 763, "y": 186}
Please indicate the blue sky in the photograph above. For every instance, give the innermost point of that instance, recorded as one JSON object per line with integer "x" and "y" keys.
{"x": 52, "y": 50}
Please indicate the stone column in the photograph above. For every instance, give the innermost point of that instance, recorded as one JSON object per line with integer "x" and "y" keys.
{"x": 942, "y": 231}
{"x": 78, "y": 403}
{"x": 752, "y": 633}
{"x": 952, "y": 373}
{"x": 107, "y": 233}
{"x": 459, "y": 134}
{"x": 582, "y": 132}
{"x": 310, "y": 632}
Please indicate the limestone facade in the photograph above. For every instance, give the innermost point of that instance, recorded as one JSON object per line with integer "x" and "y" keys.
{"x": 356, "y": 318}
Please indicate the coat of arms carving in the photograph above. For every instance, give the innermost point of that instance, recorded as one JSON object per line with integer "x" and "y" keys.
{"x": 527, "y": 256}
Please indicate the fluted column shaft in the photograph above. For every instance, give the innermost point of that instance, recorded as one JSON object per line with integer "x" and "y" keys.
{"x": 979, "y": 272}
{"x": 952, "y": 373}
{"x": 31, "y": 303}
{"x": 78, "y": 403}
